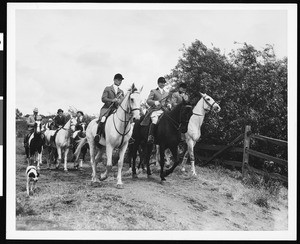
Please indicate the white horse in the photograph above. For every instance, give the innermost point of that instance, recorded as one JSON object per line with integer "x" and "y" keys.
{"x": 204, "y": 105}
{"x": 118, "y": 130}
{"x": 62, "y": 141}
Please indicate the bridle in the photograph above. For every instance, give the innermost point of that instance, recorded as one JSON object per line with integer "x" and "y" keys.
{"x": 210, "y": 106}
{"x": 71, "y": 124}
{"x": 128, "y": 112}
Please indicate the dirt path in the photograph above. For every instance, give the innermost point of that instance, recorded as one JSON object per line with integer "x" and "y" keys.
{"x": 215, "y": 199}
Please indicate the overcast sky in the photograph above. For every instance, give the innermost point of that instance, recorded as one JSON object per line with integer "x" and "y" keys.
{"x": 66, "y": 57}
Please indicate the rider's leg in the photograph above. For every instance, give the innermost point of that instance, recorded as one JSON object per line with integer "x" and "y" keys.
{"x": 26, "y": 138}
{"x": 100, "y": 129}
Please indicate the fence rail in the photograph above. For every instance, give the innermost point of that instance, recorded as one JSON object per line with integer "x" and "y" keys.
{"x": 244, "y": 163}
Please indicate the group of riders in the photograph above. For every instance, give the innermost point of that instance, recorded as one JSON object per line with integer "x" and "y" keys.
{"x": 159, "y": 100}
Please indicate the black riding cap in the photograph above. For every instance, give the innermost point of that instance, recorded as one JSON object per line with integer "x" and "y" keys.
{"x": 60, "y": 110}
{"x": 118, "y": 77}
{"x": 161, "y": 80}
{"x": 80, "y": 112}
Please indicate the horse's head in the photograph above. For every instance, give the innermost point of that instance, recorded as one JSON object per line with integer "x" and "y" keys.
{"x": 186, "y": 112}
{"x": 209, "y": 104}
{"x": 73, "y": 123}
{"x": 81, "y": 127}
{"x": 38, "y": 126}
{"x": 135, "y": 102}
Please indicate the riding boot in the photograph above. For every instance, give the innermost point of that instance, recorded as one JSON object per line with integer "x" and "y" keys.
{"x": 26, "y": 139}
{"x": 99, "y": 132}
{"x": 151, "y": 133}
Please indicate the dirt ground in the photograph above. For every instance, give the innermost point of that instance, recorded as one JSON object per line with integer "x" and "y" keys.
{"x": 216, "y": 199}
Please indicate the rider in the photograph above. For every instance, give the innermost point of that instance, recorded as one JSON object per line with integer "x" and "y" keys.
{"x": 59, "y": 122}
{"x": 158, "y": 100}
{"x": 179, "y": 95}
{"x": 30, "y": 123}
{"x": 111, "y": 97}
{"x": 80, "y": 119}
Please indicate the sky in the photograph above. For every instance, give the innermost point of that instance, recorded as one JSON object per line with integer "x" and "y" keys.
{"x": 66, "y": 57}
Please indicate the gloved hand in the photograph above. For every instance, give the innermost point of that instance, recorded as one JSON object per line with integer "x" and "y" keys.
{"x": 156, "y": 103}
{"x": 169, "y": 105}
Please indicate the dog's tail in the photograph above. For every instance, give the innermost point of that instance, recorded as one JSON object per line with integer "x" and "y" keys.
{"x": 81, "y": 142}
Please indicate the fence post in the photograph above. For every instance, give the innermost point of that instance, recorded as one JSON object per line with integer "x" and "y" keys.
{"x": 246, "y": 146}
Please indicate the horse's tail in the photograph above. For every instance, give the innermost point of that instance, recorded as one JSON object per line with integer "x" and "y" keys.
{"x": 81, "y": 143}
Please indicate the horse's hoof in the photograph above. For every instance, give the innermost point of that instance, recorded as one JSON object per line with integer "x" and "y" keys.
{"x": 66, "y": 170}
{"x": 135, "y": 177}
{"x": 120, "y": 186}
{"x": 163, "y": 181}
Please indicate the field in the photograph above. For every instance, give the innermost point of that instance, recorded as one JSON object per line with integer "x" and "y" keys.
{"x": 216, "y": 199}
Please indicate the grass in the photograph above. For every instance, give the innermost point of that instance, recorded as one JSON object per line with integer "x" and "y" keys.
{"x": 67, "y": 201}
{"x": 252, "y": 189}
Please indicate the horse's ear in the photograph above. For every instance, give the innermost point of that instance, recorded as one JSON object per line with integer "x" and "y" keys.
{"x": 201, "y": 94}
{"x": 141, "y": 88}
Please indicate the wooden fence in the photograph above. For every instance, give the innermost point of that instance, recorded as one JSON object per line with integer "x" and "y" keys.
{"x": 245, "y": 151}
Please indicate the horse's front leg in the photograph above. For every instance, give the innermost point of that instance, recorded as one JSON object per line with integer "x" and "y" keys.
{"x": 83, "y": 151}
{"x": 132, "y": 156}
{"x": 93, "y": 162}
{"x": 58, "y": 160}
{"x": 39, "y": 160}
{"x": 147, "y": 154}
{"x": 190, "y": 153}
{"x": 120, "y": 165}
{"x": 192, "y": 157}
{"x": 109, "y": 152}
{"x": 66, "y": 159}
{"x": 184, "y": 160}
{"x": 162, "y": 162}
{"x": 176, "y": 160}
{"x": 157, "y": 156}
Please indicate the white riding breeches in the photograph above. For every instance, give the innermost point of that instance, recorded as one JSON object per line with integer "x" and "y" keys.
{"x": 155, "y": 114}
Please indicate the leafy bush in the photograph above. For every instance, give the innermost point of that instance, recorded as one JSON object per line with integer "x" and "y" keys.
{"x": 249, "y": 85}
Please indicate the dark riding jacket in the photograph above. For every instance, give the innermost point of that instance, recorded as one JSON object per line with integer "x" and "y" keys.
{"x": 59, "y": 121}
{"x": 108, "y": 95}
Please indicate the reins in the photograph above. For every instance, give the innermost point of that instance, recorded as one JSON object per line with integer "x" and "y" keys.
{"x": 210, "y": 106}
{"x": 126, "y": 122}
{"x": 176, "y": 124}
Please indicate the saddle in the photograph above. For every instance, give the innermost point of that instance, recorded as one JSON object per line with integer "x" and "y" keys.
{"x": 146, "y": 121}
{"x": 52, "y": 139}
{"x": 102, "y": 131}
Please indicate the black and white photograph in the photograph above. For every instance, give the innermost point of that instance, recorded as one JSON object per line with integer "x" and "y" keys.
{"x": 140, "y": 121}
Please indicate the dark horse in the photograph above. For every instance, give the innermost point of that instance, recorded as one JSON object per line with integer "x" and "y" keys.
{"x": 35, "y": 144}
{"x": 167, "y": 134}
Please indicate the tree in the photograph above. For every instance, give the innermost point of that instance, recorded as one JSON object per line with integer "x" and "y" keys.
{"x": 18, "y": 113}
{"x": 249, "y": 85}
